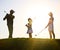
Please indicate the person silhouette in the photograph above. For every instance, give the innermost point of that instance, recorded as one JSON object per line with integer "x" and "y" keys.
{"x": 51, "y": 26}
{"x": 29, "y": 26}
{"x": 10, "y": 18}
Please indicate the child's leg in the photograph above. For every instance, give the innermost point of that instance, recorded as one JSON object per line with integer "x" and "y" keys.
{"x": 30, "y": 35}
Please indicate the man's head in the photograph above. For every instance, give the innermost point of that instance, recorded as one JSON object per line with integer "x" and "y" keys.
{"x": 12, "y": 11}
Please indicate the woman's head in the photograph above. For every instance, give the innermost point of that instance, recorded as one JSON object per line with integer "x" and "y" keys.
{"x": 50, "y": 14}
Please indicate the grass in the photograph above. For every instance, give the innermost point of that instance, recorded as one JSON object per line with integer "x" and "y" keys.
{"x": 29, "y": 44}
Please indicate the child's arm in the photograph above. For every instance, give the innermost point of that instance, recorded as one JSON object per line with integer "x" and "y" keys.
{"x": 28, "y": 25}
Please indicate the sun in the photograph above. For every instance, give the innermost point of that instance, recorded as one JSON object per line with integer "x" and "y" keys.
{"x": 40, "y": 19}
{"x": 39, "y": 15}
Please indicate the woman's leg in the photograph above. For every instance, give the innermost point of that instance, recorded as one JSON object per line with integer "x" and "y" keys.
{"x": 53, "y": 34}
{"x": 50, "y": 34}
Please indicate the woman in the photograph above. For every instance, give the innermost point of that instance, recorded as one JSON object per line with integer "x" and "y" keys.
{"x": 50, "y": 26}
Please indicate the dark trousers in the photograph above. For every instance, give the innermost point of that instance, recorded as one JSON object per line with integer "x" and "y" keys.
{"x": 10, "y": 29}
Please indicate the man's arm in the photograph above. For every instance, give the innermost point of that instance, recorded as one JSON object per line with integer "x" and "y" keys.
{"x": 5, "y": 17}
{"x": 13, "y": 17}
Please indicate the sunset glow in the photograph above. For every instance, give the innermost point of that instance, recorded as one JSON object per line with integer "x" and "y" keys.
{"x": 37, "y": 10}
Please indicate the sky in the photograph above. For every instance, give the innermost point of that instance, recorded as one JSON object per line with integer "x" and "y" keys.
{"x": 37, "y": 10}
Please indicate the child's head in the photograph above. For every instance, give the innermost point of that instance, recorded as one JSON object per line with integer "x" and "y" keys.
{"x": 29, "y": 20}
{"x": 50, "y": 14}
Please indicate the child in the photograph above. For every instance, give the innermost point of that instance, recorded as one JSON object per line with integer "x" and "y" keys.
{"x": 29, "y": 26}
{"x": 50, "y": 26}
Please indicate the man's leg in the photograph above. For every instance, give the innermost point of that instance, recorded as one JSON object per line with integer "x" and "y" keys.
{"x": 10, "y": 28}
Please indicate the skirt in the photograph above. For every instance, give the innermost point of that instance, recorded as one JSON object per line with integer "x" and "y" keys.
{"x": 30, "y": 30}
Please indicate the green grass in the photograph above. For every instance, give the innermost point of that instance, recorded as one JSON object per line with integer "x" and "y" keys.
{"x": 29, "y": 44}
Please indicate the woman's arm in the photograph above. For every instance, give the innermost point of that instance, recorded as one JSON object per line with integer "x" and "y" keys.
{"x": 48, "y": 23}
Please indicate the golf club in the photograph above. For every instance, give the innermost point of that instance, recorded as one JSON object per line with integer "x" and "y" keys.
{"x": 40, "y": 32}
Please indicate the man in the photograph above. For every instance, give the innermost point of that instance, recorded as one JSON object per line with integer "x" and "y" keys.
{"x": 50, "y": 26}
{"x": 10, "y": 18}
